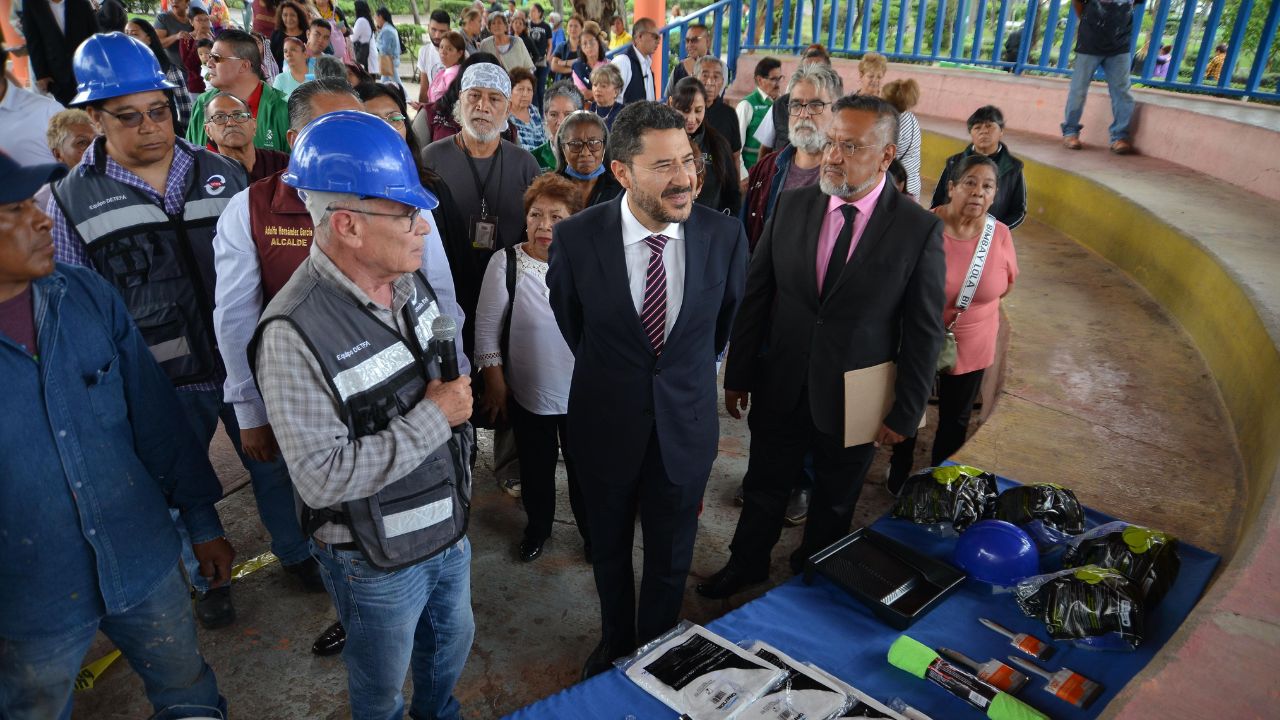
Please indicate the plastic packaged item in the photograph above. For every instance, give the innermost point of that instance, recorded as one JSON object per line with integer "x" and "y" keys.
{"x": 901, "y": 707}
{"x": 802, "y": 693}
{"x": 1050, "y": 512}
{"x": 993, "y": 672}
{"x": 1093, "y": 607}
{"x": 918, "y": 659}
{"x": 1147, "y": 557}
{"x": 997, "y": 553}
{"x": 861, "y": 705}
{"x": 957, "y": 495}
{"x": 700, "y": 674}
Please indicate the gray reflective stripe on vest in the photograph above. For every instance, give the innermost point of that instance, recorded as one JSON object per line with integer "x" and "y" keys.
{"x": 171, "y": 349}
{"x": 407, "y": 521}
{"x": 372, "y": 372}
{"x": 423, "y": 328}
{"x": 112, "y": 220}
{"x": 206, "y": 208}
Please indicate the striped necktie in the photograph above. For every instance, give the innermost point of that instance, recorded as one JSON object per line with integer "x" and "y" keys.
{"x": 653, "y": 312}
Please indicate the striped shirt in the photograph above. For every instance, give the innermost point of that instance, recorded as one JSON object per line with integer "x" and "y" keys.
{"x": 909, "y": 151}
{"x": 69, "y": 247}
{"x": 327, "y": 466}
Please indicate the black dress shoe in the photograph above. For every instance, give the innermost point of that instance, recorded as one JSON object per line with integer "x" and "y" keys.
{"x": 600, "y": 660}
{"x": 331, "y": 641}
{"x": 214, "y": 609}
{"x": 729, "y": 581}
{"x": 307, "y": 573}
{"x": 530, "y": 550}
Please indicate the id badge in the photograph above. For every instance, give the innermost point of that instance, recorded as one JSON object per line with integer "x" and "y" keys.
{"x": 484, "y": 232}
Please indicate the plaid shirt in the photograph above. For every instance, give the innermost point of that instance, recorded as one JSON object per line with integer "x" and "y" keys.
{"x": 326, "y": 465}
{"x": 181, "y": 97}
{"x": 69, "y": 247}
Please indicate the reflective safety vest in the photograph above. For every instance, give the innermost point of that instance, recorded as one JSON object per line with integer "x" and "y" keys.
{"x": 162, "y": 264}
{"x": 377, "y": 374}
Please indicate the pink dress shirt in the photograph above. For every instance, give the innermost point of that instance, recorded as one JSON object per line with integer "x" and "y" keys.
{"x": 833, "y": 222}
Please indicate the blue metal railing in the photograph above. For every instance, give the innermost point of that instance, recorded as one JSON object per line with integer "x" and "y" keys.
{"x": 976, "y": 32}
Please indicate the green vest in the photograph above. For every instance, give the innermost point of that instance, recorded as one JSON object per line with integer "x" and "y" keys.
{"x": 545, "y": 156}
{"x": 273, "y": 120}
{"x": 760, "y": 106}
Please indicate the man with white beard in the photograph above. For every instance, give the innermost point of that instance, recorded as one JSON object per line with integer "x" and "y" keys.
{"x": 487, "y": 176}
{"x": 812, "y": 90}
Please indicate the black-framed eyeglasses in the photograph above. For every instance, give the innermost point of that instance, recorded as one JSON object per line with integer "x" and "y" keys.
{"x": 774, "y": 79}
{"x": 412, "y": 215}
{"x": 813, "y": 107}
{"x": 595, "y": 145}
{"x": 159, "y": 115}
{"x": 239, "y": 117}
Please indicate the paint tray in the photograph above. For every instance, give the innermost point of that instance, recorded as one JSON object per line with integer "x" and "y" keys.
{"x": 898, "y": 584}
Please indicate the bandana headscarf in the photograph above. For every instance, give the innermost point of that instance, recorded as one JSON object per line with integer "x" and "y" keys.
{"x": 487, "y": 76}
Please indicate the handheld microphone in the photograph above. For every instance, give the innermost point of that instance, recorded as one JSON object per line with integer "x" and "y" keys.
{"x": 444, "y": 333}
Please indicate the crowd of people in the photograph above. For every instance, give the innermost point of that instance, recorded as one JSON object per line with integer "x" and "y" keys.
{"x": 257, "y": 228}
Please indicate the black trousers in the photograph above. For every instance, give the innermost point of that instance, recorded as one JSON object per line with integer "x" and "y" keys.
{"x": 956, "y": 394}
{"x": 669, "y": 520}
{"x": 538, "y": 442}
{"x": 779, "y": 443}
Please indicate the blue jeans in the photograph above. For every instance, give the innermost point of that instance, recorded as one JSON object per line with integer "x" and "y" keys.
{"x": 416, "y": 618}
{"x": 1116, "y": 70}
{"x": 157, "y": 637}
{"x": 271, "y": 485}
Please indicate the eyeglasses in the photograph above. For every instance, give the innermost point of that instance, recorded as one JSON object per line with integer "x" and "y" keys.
{"x": 693, "y": 166}
{"x": 774, "y": 79}
{"x": 217, "y": 59}
{"x": 412, "y": 217}
{"x": 846, "y": 147}
{"x": 395, "y": 118}
{"x": 159, "y": 116}
{"x": 813, "y": 107}
{"x": 595, "y": 145}
{"x": 236, "y": 117}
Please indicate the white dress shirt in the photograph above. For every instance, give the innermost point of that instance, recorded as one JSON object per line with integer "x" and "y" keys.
{"x": 238, "y": 302}
{"x": 539, "y": 363}
{"x": 637, "y": 253}
{"x": 24, "y": 118}
{"x": 623, "y": 63}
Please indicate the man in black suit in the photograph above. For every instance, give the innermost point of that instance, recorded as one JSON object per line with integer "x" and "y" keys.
{"x": 53, "y": 31}
{"x": 848, "y": 274}
{"x": 644, "y": 289}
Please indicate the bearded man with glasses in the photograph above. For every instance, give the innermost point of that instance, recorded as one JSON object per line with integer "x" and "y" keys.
{"x": 141, "y": 208}
{"x": 235, "y": 66}
{"x": 644, "y": 288}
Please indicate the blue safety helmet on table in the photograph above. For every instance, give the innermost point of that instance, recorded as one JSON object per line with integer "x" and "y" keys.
{"x": 111, "y": 65}
{"x": 997, "y": 552}
{"x": 360, "y": 154}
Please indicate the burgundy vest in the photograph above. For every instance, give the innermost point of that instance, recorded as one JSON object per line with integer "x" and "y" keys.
{"x": 281, "y": 229}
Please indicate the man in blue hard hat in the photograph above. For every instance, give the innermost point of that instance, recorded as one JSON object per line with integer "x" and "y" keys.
{"x": 141, "y": 208}
{"x": 373, "y": 427}
{"x": 93, "y": 454}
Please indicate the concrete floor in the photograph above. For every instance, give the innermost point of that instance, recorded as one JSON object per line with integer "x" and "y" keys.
{"x": 1105, "y": 394}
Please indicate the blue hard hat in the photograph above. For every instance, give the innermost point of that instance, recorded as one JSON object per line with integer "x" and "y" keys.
{"x": 111, "y": 65}
{"x": 997, "y": 552}
{"x": 359, "y": 154}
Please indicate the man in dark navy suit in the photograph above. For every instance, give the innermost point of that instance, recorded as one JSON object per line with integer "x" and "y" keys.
{"x": 644, "y": 289}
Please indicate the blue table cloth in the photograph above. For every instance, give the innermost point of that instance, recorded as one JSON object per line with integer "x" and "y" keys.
{"x": 823, "y": 625}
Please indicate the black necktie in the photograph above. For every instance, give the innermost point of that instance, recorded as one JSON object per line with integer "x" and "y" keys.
{"x": 840, "y": 253}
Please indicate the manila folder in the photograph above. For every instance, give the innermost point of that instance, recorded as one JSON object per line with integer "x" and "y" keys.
{"x": 868, "y": 395}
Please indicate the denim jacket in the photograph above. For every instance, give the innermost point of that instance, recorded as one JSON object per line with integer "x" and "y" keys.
{"x": 94, "y": 450}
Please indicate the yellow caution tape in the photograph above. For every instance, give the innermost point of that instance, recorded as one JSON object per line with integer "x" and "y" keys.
{"x": 252, "y": 565}
{"x": 91, "y": 672}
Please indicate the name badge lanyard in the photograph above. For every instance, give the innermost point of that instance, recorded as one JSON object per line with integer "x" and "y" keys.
{"x": 482, "y": 187}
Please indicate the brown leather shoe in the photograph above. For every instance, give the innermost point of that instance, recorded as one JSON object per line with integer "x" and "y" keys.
{"x": 1122, "y": 147}
{"x": 1072, "y": 142}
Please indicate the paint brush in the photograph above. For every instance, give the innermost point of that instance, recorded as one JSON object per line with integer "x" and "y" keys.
{"x": 1064, "y": 684}
{"x": 992, "y": 671}
{"x": 1023, "y": 642}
